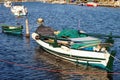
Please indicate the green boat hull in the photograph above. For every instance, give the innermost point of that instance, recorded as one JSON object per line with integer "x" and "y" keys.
{"x": 12, "y": 29}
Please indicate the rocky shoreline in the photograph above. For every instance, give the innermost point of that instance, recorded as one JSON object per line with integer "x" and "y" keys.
{"x": 103, "y": 4}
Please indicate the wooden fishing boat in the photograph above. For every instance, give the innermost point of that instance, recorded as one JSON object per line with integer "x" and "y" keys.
{"x": 12, "y": 29}
{"x": 75, "y": 46}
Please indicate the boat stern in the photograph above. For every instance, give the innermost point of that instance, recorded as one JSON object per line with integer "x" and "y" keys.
{"x": 109, "y": 66}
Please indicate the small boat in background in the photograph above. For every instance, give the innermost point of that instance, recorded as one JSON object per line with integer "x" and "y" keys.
{"x": 19, "y": 10}
{"x": 12, "y": 29}
{"x": 91, "y": 4}
{"x": 81, "y": 4}
{"x": 8, "y": 4}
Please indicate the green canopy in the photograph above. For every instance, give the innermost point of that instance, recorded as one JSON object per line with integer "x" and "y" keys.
{"x": 71, "y": 33}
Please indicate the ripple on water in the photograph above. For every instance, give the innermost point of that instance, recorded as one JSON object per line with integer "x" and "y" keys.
{"x": 23, "y": 60}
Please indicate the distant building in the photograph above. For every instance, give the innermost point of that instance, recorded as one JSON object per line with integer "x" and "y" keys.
{"x": 22, "y": 0}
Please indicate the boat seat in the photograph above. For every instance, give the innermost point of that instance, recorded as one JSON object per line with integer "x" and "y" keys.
{"x": 84, "y": 39}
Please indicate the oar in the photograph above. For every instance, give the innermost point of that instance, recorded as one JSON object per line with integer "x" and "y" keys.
{"x": 67, "y": 41}
{"x": 87, "y": 46}
{"x": 102, "y": 35}
{"x": 101, "y": 44}
{"x": 53, "y": 37}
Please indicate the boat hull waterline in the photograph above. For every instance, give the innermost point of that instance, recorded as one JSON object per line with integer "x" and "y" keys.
{"x": 103, "y": 60}
{"x": 12, "y": 29}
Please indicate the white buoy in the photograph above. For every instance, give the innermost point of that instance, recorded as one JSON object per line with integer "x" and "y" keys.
{"x": 40, "y": 21}
{"x": 27, "y": 28}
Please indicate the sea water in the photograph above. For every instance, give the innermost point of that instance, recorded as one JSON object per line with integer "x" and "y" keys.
{"x": 22, "y": 58}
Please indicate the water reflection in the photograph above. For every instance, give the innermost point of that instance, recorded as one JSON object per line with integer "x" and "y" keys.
{"x": 27, "y": 41}
{"x": 110, "y": 76}
{"x": 70, "y": 70}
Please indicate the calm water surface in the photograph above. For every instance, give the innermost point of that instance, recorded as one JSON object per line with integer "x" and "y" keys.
{"x": 22, "y": 58}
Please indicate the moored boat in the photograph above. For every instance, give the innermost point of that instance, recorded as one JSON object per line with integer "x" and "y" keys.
{"x": 8, "y": 4}
{"x": 19, "y": 10}
{"x": 75, "y": 46}
{"x": 12, "y": 29}
{"x": 91, "y": 4}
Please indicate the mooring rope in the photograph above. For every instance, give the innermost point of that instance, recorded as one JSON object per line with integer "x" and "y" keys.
{"x": 115, "y": 58}
{"x": 56, "y": 70}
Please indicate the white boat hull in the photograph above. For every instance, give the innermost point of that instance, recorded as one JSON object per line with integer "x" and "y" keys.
{"x": 19, "y": 10}
{"x": 8, "y": 4}
{"x": 97, "y": 59}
